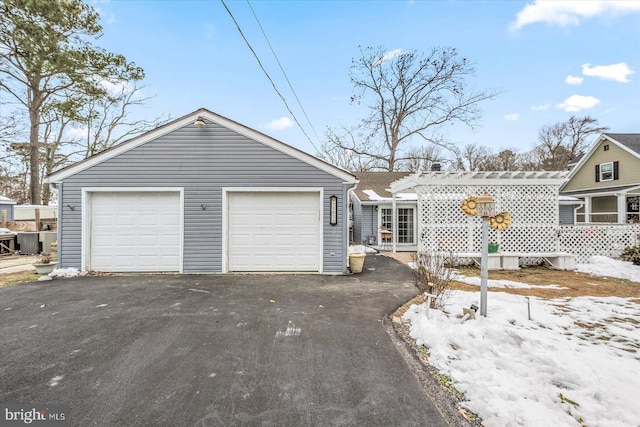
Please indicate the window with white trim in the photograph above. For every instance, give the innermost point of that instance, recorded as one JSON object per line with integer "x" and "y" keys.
{"x": 606, "y": 171}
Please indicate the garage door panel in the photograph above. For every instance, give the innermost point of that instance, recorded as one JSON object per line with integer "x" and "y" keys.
{"x": 268, "y": 230}
{"x": 135, "y": 231}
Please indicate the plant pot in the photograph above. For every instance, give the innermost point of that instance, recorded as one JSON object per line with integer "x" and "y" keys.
{"x": 356, "y": 262}
{"x": 44, "y": 269}
{"x": 494, "y": 248}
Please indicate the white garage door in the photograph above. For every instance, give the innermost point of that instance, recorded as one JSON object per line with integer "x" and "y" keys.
{"x": 273, "y": 231}
{"x": 135, "y": 231}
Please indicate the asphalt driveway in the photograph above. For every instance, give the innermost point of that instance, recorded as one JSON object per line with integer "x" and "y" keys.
{"x": 209, "y": 350}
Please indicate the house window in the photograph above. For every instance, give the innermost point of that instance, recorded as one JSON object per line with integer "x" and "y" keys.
{"x": 386, "y": 218}
{"x": 606, "y": 147}
{"x": 606, "y": 172}
{"x": 633, "y": 209}
{"x": 405, "y": 223}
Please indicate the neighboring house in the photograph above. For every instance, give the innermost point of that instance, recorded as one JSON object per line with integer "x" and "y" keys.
{"x": 607, "y": 180}
{"x": 372, "y": 206}
{"x": 6, "y": 204}
{"x": 203, "y": 194}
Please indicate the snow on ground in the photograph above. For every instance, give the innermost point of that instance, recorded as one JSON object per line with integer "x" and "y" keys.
{"x": 503, "y": 283}
{"x": 65, "y": 272}
{"x": 603, "y": 266}
{"x": 362, "y": 249}
{"x": 576, "y": 360}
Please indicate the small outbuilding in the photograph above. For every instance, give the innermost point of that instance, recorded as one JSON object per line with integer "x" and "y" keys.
{"x": 6, "y": 204}
{"x": 203, "y": 194}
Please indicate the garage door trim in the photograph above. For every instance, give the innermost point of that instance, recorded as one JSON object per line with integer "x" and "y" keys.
{"x": 225, "y": 216}
{"x": 87, "y": 215}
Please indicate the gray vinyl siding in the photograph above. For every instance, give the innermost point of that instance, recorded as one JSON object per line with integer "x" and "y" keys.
{"x": 357, "y": 220}
{"x": 9, "y": 209}
{"x": 566, "y": 214}
{"x": 369, "y": 223}
{"x": 203, "y": 162}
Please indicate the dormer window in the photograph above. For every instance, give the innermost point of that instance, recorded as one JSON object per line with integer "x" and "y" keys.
{"x": 607, "y": 171}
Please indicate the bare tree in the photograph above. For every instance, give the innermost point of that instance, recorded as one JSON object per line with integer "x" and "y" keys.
{"x": 562, "y": 141}
{"x": 420, "y": 159}
{"x": 410, "y": 97}
{"x": 472, "y": 157}
{"x": 505, "y": 160}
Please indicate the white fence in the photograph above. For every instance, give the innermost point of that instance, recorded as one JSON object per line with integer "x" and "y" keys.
{"x": 588, "y": 240}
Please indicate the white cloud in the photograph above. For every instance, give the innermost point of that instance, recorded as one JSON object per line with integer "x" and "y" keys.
{"x": 76, "y": 132}
{"x": 571, "y": 12}
{"x": 389, "y": 56}
{"x": 618, "y": 72}
{"x": 574, "y": 80}
{"x": 114, "y": 87}
{"x": 542, "y": 107}
{"x": 280, "y": 124}
{"x": 578, "y": 102}
{"x": 512, "y": 117}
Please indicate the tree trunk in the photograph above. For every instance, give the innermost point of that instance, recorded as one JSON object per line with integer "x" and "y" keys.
{"x": 34, "y": 156}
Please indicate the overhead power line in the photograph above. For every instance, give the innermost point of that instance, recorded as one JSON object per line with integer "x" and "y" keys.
{"x": 283, "y": 72}
{"x": 267, "y": 74}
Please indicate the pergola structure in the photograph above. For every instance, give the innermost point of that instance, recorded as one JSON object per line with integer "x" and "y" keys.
{"x": 530, "y": 197}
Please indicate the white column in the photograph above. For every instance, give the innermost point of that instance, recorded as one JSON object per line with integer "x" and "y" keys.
{"x": 587, "y": 209}
{"x": 622, "y": 208}
{"x": 394, "y": 228}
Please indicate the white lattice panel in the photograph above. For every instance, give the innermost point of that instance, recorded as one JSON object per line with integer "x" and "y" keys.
{"x": 443, "y": 226}
{"x": 588, "y": 240}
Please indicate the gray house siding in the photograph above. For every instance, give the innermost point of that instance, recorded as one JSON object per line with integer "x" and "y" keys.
{"x": 9, "y": 209}
{"x": 566, "y": 214}
{"x": 357, "y": 220}
{"x": 365, "y": 223}
{"x": 203, "y": 162}
{"x": 369, "y": 223}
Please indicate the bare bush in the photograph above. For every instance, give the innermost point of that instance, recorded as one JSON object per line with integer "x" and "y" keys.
{"x": 433, "y": 274}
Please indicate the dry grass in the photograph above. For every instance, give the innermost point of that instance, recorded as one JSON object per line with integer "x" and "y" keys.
{"x": 578, "y": 284}
{"x": 14, "y": 278}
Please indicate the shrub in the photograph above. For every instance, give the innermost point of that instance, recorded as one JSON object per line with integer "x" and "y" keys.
{"x": 632, "y": 253}
{"x": 433, "y": 274}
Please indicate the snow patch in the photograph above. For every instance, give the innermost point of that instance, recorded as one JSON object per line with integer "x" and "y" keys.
{"x": 605, "y": 266}
{"x": 66, "y": 272}
{"x": 582, "y": 350}
{"x": 361, "y": 249}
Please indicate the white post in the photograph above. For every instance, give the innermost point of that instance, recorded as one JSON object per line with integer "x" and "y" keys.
{"x": 622, "y": 208}
{"x": 587, "y": 209}
{"x": 394, "y": 227}
{"x": 484, "y": 272}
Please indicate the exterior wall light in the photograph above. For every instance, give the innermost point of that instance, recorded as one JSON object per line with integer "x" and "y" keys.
{"x": 200, "y": 123}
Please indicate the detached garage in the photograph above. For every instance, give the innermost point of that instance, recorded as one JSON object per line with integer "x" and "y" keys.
{"x": 203, "y": 194}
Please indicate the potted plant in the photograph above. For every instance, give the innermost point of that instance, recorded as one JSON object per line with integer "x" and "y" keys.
{"x": 44, "y": 266}
{"x": 493, "y": 247}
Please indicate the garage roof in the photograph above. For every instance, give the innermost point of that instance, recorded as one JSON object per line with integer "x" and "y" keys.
{"x": 210, "y": 116}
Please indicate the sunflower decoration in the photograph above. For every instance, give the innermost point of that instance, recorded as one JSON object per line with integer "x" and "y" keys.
{"x": 470, "y": 206}
{"x": 501, "y": 221}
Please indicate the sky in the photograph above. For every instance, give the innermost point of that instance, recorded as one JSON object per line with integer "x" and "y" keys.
{"x": 573, "y": 362}
{"x": 548, "y": 59}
